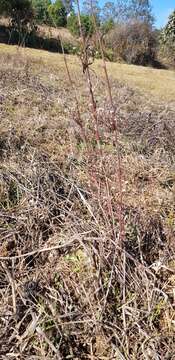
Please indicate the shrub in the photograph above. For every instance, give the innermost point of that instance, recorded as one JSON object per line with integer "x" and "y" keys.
{"x": 134, "y": 43}
{"x": 107, "y": 26}
{"x": 167, "y": 53}
{"x": 70, "y": 49}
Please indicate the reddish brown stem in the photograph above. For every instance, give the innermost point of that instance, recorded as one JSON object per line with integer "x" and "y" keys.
{"x": 88, "y": 77}
{"x": 115, "y": 128}
{"x": 77, "y": 117}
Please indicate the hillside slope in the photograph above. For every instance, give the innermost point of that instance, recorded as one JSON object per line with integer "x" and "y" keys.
{"x": 82, "y": 275}
{"x": 157, "y": 83}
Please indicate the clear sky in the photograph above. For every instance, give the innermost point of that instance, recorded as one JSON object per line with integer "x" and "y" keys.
{"x": 162, "y": 9}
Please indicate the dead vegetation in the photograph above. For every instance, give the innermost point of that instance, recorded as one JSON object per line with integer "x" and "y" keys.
{"x": 61, "y": 276}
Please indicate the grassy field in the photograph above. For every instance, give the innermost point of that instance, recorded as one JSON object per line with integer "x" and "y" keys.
{"x": 157, "y": 83}
{"x": 87, "y": 267}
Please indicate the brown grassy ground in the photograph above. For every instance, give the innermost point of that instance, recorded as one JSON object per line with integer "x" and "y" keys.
{"x": 153, "y": 82}
{"x": 62, "y": 273}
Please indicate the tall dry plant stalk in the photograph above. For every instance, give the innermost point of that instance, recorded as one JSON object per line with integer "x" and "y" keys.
{"x": 77, "y": 116}
{"x": 86, "y": 70}
{"x": 119, "y": 175}
{"x": 114, "y": 127}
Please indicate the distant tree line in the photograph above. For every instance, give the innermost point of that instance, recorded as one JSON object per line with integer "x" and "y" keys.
{"x": 126, "y": 26}
{"x": 22, "y": 12}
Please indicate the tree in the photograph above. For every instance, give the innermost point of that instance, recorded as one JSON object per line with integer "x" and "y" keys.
{"x": 20, "y": 13}
{"x": 91, "y": 7}
{"x": 134, "y": 43}
{"x": 5, "y": 6}
{"x": 86, "y": 23}
{"x": 169, "y": 30}
{"x": 58, "y": 14}
{"x": 126, "y": 11}
{"x": 108, "y": 11}
{"x": 41, "y": 11}
{"x": 167, "y": 41}
{"x": 68, "y": 5}
{"x": 117, "y": 12}
{"x": 140, "y": 10}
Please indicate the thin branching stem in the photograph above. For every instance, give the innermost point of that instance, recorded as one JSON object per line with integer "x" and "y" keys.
{"x": 88, "y": 76}
{"x": 77, "y": 117}
{"x": 119, "y": 173}
{"x": 115, "y": 128}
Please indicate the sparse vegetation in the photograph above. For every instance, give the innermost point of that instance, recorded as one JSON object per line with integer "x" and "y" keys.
{"x": 63, "y": 270}
{"x": 87, "y": 186}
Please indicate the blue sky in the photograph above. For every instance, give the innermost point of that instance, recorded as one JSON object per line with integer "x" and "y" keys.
{"x": 162, "y": 9}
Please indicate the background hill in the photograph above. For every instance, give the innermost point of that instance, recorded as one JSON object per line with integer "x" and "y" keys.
{"x": 127, "y": 29}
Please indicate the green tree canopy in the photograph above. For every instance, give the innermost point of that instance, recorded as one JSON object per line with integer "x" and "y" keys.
{"x": 58, "y": 13}
{"x": 86, "y": 22}
{"x": 41, "y": 11}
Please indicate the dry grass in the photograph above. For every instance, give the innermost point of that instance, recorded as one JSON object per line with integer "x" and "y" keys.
{"x": 61, "y": 274}
{"x": 51, "y": 32}
{"x": 159, "y": 84}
